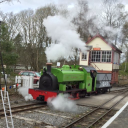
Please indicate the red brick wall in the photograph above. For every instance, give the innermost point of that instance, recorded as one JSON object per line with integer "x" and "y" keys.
{"x": 114, "y": 77}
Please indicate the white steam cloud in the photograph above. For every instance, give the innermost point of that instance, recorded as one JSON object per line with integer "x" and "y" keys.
{"x": 24, "y": 92}
{"x": 63, "y": 103}
{"x": 62, "y": 30}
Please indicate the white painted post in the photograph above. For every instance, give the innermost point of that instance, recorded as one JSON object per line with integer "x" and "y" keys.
{"x": 58, "y": 64}
{"x": 26, "y": 81}
{"x": 25, "y": 78}
{"x": 27, "y": 85}
{"x": 15, "y": 79}
{"x": 23, "y": 81}
{"x": 31, "y": 82}
{"x": 19, "y": 80}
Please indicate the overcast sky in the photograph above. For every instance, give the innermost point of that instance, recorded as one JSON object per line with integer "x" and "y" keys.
{"x": 34, "y": 4}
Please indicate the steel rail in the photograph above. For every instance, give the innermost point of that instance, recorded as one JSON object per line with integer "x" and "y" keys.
{"x": 22, "y": 108}
{"x": 92, "y": 106}
{"x": 111, "y": 108}
{"x": 69, "y": 125}
{"x": 114, "y": 91}
{"x": 15, "y": 107}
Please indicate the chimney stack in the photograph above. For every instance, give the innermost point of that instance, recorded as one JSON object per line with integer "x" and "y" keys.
{"x": 49, "y": 67}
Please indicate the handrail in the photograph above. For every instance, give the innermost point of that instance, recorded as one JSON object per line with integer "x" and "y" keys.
{"x": 95, "y": 65}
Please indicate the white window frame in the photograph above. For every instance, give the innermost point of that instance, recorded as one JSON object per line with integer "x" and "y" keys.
{"x": 95, "y": 56}
{"x": 116, "y": 58}
{"x": 98, "y": 56}
{"x": 84, "y": 55}
{"x": 108, "y": 56}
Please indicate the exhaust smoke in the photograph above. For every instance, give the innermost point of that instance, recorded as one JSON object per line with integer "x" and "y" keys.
{"x": 24, "y": 92}
{"x": 62, "y": 103}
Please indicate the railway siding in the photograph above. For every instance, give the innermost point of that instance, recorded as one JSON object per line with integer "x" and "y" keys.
{"x": 97, "y": 114}
{"x": 121, "y": 118}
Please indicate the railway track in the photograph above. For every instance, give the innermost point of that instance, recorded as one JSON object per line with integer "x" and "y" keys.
{"x": 119, "y": 90}
{"x": 92, "y": 118}
{"x": 22, "y": 108}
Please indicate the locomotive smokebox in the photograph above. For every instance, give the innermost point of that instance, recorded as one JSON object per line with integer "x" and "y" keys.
{"x": 49, "y": 67}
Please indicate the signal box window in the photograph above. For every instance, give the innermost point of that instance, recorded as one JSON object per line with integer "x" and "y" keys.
{"x": 106, "y": 56}
{"x": 95, "y": 56}
{"x": 84, "y": 56}
{"x": 101, "y": 56}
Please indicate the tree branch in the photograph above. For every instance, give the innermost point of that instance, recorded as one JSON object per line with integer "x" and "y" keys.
{"x": 4, "y": 1}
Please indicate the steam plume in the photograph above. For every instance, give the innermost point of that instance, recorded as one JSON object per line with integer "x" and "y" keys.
{"x": 62, "y": 30}
{"x": 24, "y": 92}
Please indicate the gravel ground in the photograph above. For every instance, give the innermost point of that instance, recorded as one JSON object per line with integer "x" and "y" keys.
{"x": 43, "y": 118}
{"x": 17, "y": 124}
{"x": 17, "y": 102}
{"x": 37, "y": 119}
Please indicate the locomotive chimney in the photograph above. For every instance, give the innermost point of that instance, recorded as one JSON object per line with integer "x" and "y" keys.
{"x": 48, "y": 67}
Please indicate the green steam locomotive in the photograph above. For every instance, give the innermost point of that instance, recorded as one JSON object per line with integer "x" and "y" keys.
{"x": 76, "y": 80}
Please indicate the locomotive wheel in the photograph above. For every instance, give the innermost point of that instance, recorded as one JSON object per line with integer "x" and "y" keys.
{"x": 82, "y": 94}
{"x": 105, "y": 90}
{"x": 88, "y": 94}
{"x": 102, "y": 91}
{"x": 74, "y": 94}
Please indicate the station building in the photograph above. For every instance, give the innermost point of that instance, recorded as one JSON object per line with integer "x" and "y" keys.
{"x": 103, "y": 56}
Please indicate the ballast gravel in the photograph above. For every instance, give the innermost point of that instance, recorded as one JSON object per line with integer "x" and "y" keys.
{"x": 45, "y": 118}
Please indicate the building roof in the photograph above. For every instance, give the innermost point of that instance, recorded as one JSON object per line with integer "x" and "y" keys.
{"x": 110, "y": 44}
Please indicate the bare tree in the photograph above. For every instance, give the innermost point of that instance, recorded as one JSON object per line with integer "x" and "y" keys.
{"x": 35, "y": 40}
{"x": 112, "y": 19}
{"x": 2, "y": 1}
{"x": 125, "y": 48}
{"x": 125, "y": 30}
{"x": 84, "y": 22}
